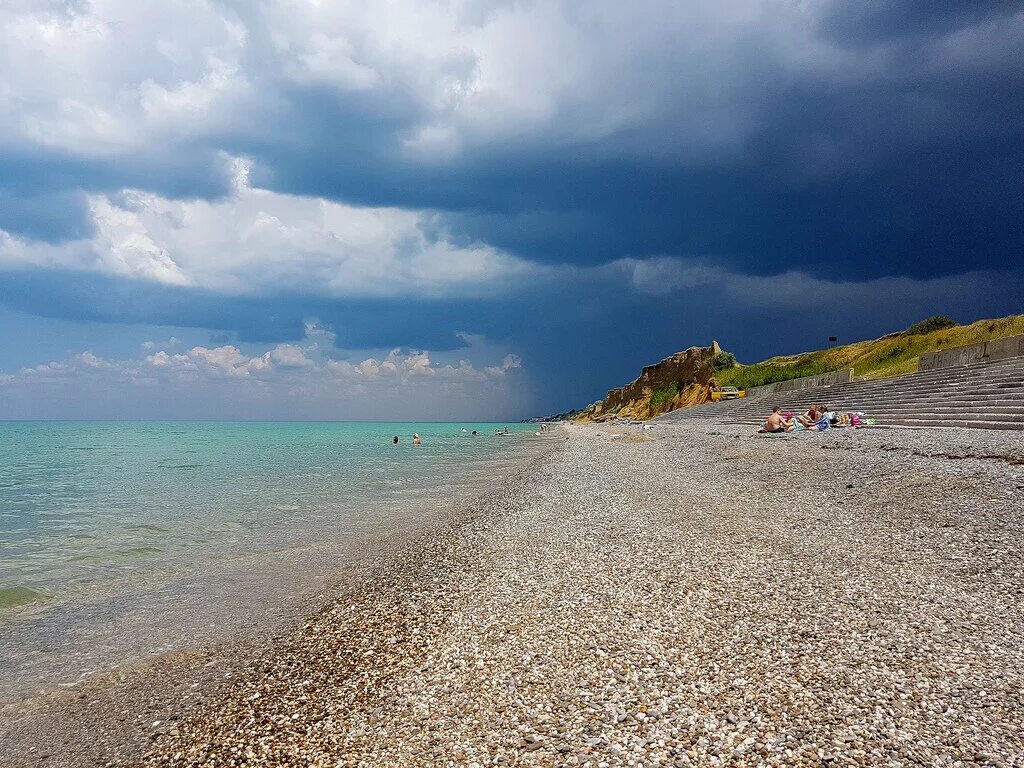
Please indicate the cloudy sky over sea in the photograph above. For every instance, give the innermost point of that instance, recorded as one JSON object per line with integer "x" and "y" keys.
{"x": 484, "y": 208}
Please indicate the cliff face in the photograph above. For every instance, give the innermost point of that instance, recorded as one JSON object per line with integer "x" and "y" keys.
{"x": 685, "y": 378}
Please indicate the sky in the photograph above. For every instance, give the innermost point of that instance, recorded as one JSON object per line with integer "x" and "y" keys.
{"x": 484, "y": 209}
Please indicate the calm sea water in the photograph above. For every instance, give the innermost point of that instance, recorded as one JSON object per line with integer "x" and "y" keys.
{"x": 122, "y": 540}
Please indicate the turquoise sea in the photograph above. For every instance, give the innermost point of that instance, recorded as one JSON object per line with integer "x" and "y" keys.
{"x": 123, "y": 540}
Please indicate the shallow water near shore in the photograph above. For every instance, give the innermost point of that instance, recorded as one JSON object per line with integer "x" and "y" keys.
{"x": 120, "y": 541}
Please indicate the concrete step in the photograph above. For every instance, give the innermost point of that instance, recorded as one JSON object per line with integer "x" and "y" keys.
{"x": 960, "y": 374}
{"x": 1002, "y": 404}
{"x": 907, "y": 414}
{"x": 980, "y": 393}
{"x": 983, "y": 396}
{"x": 966, "y": 415}
{"x": 860, "y": 402}
{"x": 913, "y": 386}
{"x": 1009, "y": 369}
{"x": 913, "y": 416}
{"x": 967, "y": 423}
{"x": 921, "y": 424}
{"x": 965, "y": 418}
{"x": 922, "y": 403}
{"x": 1014, "y": 413}
{"x": 867, "y": 405}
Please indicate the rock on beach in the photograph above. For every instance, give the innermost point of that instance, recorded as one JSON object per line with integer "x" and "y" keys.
{"x": 702, "y": 598}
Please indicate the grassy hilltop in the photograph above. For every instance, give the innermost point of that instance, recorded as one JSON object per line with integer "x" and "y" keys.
{"x": 891, "y": 355}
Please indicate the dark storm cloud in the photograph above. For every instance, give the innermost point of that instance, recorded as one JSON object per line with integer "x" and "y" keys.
{"x": 41, "y": 195}
{"x": 360, "y": 324}
{"x": 865, "y": 22}
{"x": 906, "y": 160}
{"x": 898, "y": 152}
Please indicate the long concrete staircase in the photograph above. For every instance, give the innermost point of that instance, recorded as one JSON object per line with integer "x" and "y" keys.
{"x": 981, "y": 396}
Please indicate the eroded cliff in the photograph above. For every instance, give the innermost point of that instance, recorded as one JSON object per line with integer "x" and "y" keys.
{"x": 685, "y": 378}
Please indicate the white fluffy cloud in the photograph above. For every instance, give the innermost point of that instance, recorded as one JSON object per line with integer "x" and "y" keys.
{"x": 106, "y": 77}
{"x": 290, "y": 378}
{"x": 510, "y": 363}
{"x": 258, "y": 241}
{"x": 290, "y": 356}
{"x": 308, "y": 364}
{"x": 397, "y": 366}
{"x": 110, "y": 76}
{"x": 227, "y": 361}
{"x": 300, "y": 380}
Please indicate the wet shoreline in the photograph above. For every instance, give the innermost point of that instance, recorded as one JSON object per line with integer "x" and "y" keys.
{"x": 111, "y": 717}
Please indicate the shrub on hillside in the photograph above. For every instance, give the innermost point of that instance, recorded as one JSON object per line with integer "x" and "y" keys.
{"x": 937, "y": 323}
{"x": 723, "y": 360}
{"x": 765, "y": 373}
{"x": 662, "y": 398}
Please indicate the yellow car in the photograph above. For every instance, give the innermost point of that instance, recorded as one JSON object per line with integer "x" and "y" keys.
{"x": 727, "y": 393}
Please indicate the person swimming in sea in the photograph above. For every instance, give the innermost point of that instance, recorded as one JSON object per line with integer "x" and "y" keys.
{"x": 394, "y": 440}
{"x": 415, "y": 439}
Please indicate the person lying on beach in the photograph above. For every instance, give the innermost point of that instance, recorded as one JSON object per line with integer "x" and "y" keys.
{"x": 775, "y": 422}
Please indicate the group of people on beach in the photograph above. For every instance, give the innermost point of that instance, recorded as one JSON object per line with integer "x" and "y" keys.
{"x": 817, "y": 419}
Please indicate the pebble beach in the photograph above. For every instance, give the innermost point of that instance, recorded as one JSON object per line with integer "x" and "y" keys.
{"x": 686, "y": 596}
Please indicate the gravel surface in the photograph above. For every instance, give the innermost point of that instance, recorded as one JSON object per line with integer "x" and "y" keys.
{"x": 112, "y": 719}
{"x": 688, "y": 596}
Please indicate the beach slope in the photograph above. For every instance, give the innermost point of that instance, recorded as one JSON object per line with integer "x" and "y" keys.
{"x": 700, "y": 597}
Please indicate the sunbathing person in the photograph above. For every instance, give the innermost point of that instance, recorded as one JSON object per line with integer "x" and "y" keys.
{"x": 824, "y": 420}
{"x": 810, "y": 418}
{"x": 792, "y": 421}
{"x": 775, "y": 422}
{"x": 826, "y": 417}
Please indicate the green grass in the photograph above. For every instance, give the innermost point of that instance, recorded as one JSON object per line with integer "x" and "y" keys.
{"x": 747, "y": 376}
{"x": 890, "y": 355}
{"x": 662, "y": 398}
{"x": 936, "y": 323}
